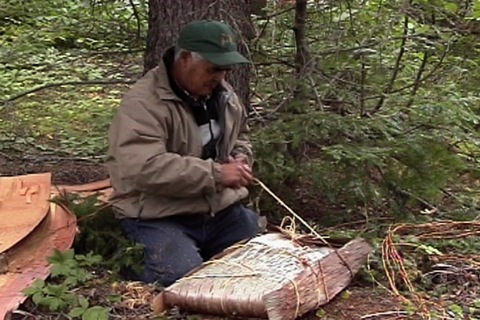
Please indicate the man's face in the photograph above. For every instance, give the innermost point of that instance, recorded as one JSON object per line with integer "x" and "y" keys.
{"x": 201, "y": 77}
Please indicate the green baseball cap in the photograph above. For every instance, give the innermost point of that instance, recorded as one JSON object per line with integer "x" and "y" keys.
{"x": 213, "y": 40}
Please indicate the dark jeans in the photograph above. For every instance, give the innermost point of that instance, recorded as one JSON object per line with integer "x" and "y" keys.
{"x": 175, "y": 245}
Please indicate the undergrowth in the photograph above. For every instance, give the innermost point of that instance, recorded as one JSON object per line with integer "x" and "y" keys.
{"x": 100, "y": 250}
{"x": 384, "y": 130}
{"x": 101, "y": 234}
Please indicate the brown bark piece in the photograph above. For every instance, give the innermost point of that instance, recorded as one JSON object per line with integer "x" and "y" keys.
{"x": 330, "y": 276}
{"x": 269, "y": 276}
{"x": 101, "y": 188}
{"x": 23, "y": 206}
{"x": 26, "y": 261}
{"x": 87, "y": 187}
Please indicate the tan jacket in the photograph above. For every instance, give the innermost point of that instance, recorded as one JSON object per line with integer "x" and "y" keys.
{"x": 155, "y": 148}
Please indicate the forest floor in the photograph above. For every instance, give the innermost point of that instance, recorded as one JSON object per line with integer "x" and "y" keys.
{"x": 357, "y": 302}
{"x": 63, "y": 133}
{"x": 361, "y": 300}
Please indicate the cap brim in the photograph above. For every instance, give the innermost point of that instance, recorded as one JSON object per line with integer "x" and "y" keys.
{"x": 224, "y": 58}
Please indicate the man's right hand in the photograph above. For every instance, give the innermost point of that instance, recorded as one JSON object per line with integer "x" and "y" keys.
{"x": 236, "y": 175}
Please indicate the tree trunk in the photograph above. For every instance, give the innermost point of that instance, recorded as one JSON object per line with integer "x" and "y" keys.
{"x": 167, "y": 17}
{"x": 303, "y": 59}
{"x": 257, "y": 7}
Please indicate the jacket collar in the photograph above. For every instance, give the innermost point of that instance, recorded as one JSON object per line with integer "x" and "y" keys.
{"x": 161, "y": 75}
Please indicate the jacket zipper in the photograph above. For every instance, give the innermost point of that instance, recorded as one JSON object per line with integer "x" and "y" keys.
{"x": 211, "y": 137}
{"x": 209, "y": 121}
{"x": 221, "y": 122}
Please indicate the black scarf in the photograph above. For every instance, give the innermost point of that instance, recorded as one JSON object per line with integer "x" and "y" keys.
{"x": 204, "y": 110}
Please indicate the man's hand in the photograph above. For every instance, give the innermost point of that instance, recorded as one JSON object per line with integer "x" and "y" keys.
{"x": 236, "y": 174}
{"x": 239, "y": 158}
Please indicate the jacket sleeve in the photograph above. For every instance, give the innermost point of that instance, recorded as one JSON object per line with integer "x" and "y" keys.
{"x": 138, "y": 144}
{"x": 242, "y": 146}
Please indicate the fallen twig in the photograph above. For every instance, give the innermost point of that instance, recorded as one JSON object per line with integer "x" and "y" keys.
{"x": 399, "y": 272}
{"x": 68, "y": 83}
{"x": 382, "y": 314}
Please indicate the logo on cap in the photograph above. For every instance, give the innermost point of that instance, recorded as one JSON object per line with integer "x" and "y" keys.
{"x": 226, "y": 40}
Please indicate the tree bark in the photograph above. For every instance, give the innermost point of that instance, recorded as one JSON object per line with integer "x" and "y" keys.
{"x": 257, "y": 7}
{"x": 167, "y": 17}
{"x": 303, "y": 59}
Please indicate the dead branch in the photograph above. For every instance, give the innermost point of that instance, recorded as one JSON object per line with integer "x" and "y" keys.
{"x": 416, "y": 83}
{"x": 411, "y": 85}
{"x": 369, "y": 44}
{"x": 275, "y": 14}
{"x": 115, "y": 52}
{"x": 396, "y": 68}
{"x": 363, "y": 76}
{"x": 68, "y": 83}
{"x": 137, "y": 18}
{"x": 384, "y": 314}
{"x": 272, "y": 59}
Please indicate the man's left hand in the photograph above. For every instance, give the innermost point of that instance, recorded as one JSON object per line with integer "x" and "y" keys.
{"x": 240, "y": 158}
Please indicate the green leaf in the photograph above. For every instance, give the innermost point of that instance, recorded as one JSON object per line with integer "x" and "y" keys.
{"x": 472, "y": 310}
{"x": 114, "y": 298}
{"x": 476, "y": 10}
{"x": 37, "y": 298}
{"x": 71, "y": 281}
{"x": 96, "y": 313}
{"x": 83, "y": 302}
{"x": 430, "y": 250}
{"x": 76, "y": 312}
{"x": 451, "y": 6}
{"x": 52, "y": 303}
{"x": 476, "y": 303}
{"x": 37, "y": 286}
{"x": 455, "y": 308}
{"x": 346, "y": 294}
{"x": 56, "y": 290}
{"x": 320, "y": 313}
{"x": 59, "y": 257}
{"x": 30, "y": 291}
{"x": 80, "y": 257}
{"x": 63, "y": 263}
{"x": 70, "y": 299}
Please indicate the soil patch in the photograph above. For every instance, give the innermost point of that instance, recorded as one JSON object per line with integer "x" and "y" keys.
{"x": 359, "y": 301}
{"x": 63, "y": 171}
{"x": 356, "y": 303}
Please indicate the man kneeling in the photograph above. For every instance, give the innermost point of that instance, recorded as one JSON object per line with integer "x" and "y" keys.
{"x": 179, "y": 157}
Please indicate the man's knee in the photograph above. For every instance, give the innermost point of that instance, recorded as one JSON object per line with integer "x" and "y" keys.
{"x": 169, "y": 252}
{"x": 165, "y": 270}
{"x": 253, "y": 221}
{"x": 248, "y": 220}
